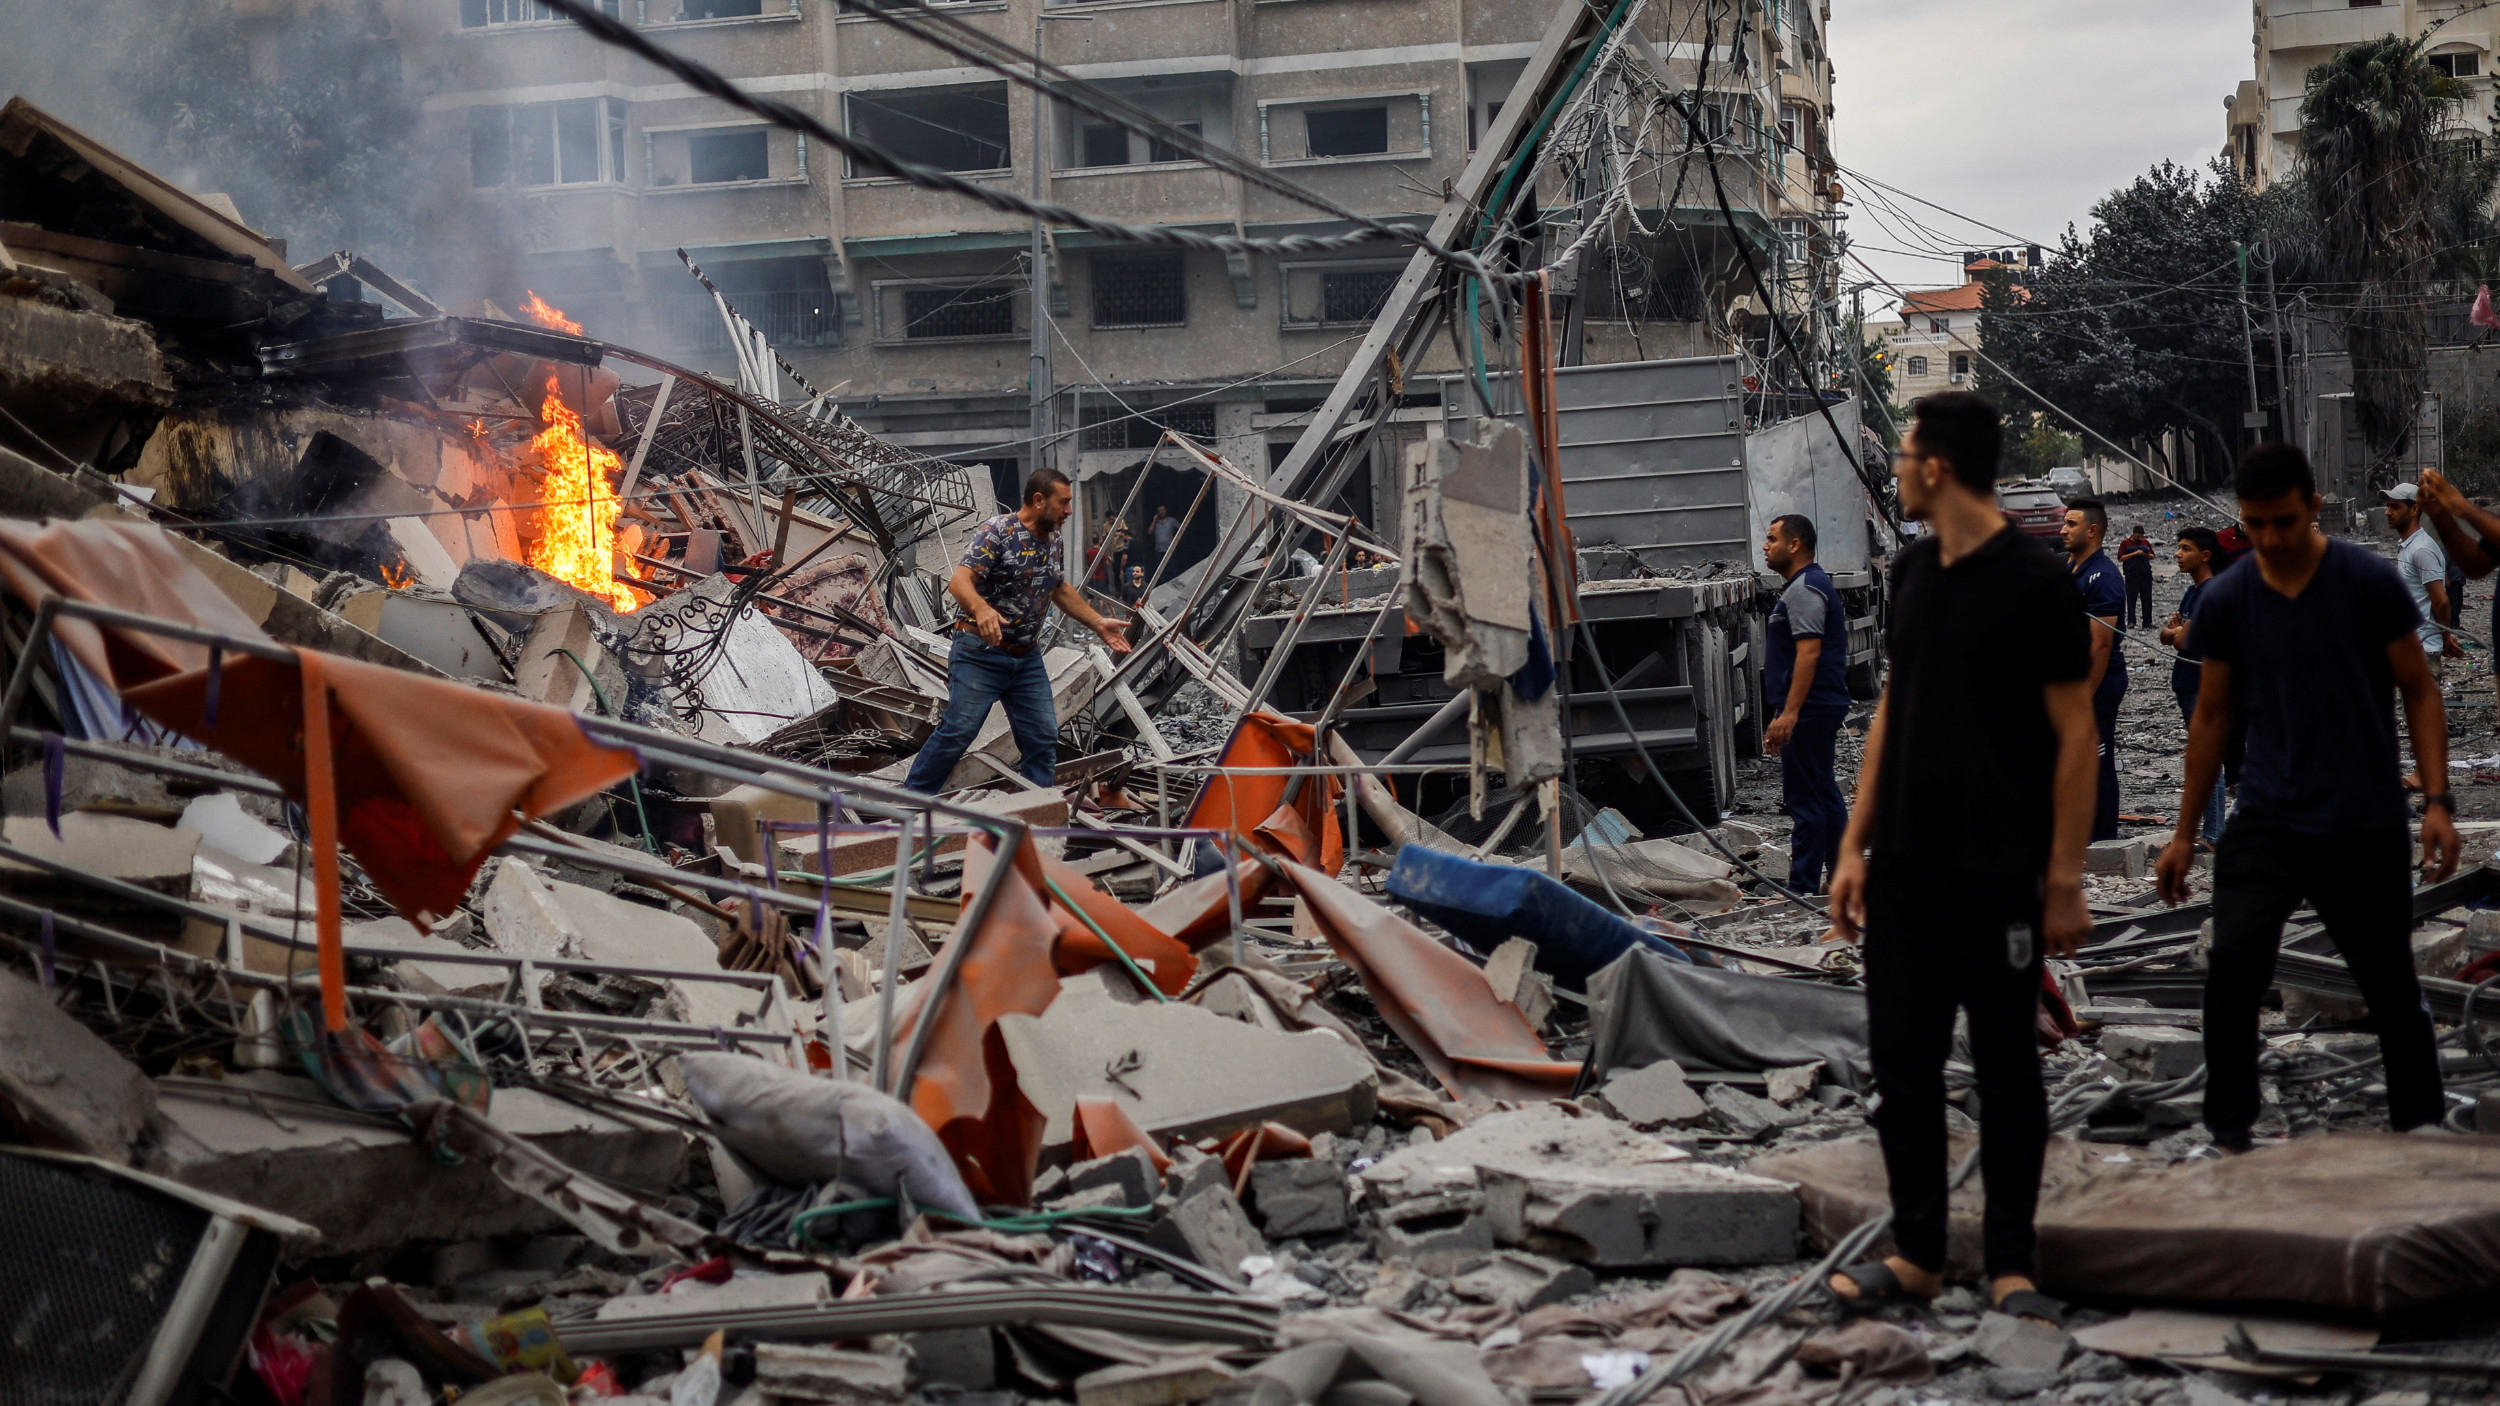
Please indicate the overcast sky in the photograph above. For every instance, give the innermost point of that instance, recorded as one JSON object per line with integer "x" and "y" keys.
{"x": 2021, "y": 113}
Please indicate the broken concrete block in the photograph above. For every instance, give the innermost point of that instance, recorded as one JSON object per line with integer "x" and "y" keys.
{"x": 221, "y": 820}
{"x": 1181, "y": 1070}
{"x": 2120, "y": 858}
{"x": 1298, "y": 1196}
{"x": 1208, "y": 1226}
{"x": 1519, "y": 1281}
{"x": 522, "y": 916}
{"x": 2438, "y": 949}
{"x": 113, "y": 846}
{"x": 61, "y": 1086}
{"x": 1786, "y": 1086}
{"x": 964, "y": 1358}
{"x": 1129, "y": 1173}
{"x": 426, "y": 978}
{"x": 1746, "y": 1116}
{"x": 563, "y": 664}
{"x": 840, "y": 1376}
{"x": 746, "y": 1291}
{"x": 1680, "y": 1213}
{"x": 434, "y": 628}
{"x": 1511, "y": 972}
{"x": 1169, "y": 1383}
{"x": 2003, "y": 1340}
{"x": 90, "y": 784}
{"x": 2015, "y": 1383}
{"x": 2482, "y": 926}
{"x": 270, "y": 1139}
{"x": 1654, "y": 1095}
{"x": 736, "y": 811}
{"x": 2154, "y": 1051}
{"x": 1439, "y": 1235}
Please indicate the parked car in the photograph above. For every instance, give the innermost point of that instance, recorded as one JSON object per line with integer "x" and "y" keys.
{"x": 2035, "y": 507}
{"x": 2070, "y": 484}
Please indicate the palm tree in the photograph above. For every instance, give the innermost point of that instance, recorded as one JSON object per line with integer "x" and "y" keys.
{"x": 2370, "y": 124}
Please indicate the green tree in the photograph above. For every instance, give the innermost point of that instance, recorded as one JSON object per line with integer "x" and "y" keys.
{"x": 1875, "y": 372}
{"x": 2370, "y": 124}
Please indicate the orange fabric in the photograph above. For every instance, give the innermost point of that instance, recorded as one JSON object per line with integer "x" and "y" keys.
{"x": 1479, "y": 1046}
{"x": 1167, "y": 962}
{"x": 1104, "y": 1127}
{"x": 427, "y": 773}
{"x": 1198, "y": 914}
{"x": 321, "y": 816}
{"x": 966, "y": 1089}
{"x": 1251, "y": 806}
{"x": 1268, "y": 1142}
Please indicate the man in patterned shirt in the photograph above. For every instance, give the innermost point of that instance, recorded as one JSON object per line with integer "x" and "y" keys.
{"x": 1003, "y": 590}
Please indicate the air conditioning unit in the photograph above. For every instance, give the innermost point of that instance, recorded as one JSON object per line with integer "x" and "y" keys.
{"x": 1960, "y": 376}
{"x": 124, "y": 1287}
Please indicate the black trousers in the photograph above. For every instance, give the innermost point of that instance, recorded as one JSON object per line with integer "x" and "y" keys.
{"x": 2139, "y": 592}
{"x": 2362, "y": 886}
{"x": 1938, "y": 940}
{"x": 2105, "y": 701}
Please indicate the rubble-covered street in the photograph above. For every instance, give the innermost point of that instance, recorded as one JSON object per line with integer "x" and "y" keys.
{"x": 466, "y": 936}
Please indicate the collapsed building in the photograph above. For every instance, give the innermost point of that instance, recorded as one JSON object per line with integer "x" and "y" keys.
{"x": 463, "y": 935}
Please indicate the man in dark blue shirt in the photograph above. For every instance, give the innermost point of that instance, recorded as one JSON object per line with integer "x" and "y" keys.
{"x": 1806, "y": 678}
{"x": 2198, "y": 549}
{"x": 2105, "y": 600}
{"x": 2307, "y": 645}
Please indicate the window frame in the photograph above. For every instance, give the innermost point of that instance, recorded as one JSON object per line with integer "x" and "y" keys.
{"x": 883, "y": 334}
{"x": 1096, "y": 263}
{"x": 875, "y": 96}
{"x": 610, "y": 124}
{"x": 1287, "y": 271}
{"x": 1422, "y": 98}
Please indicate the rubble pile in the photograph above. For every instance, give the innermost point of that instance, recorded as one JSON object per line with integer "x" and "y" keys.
{"x": 461, "y": 938}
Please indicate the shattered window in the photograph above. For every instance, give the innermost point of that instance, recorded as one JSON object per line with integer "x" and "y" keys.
{"x": 988, "y": 311}
{"x": 1159, "y": 151}
{"x": 714, "y": 157}
{"x": 952, "y": 129}
{"x": 1105, "y": 146}
{"x": 478, "y": 14}
{"x": 1114, "y": 427}
{"x": 1356, "y": 296}
{"x": 1139, "y": 290}
{"x": 1348, "y": 131}
{"x": 544, "y": 144}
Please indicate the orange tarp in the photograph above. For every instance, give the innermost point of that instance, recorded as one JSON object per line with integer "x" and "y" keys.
{"x": 1479, "y": 1046}
{"x": 1199, "y": 914}
{"x": 966, "y": 1089}
{"x": 1252, "y": 808}
{"x": 419, "y": 778}
{"x": 1169, "y": 964}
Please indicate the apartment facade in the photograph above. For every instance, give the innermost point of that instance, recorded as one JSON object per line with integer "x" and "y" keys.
{"x": 581, "y": 173}
{"x": 2262, "y": 115}
{"x": 1934, "y": 336}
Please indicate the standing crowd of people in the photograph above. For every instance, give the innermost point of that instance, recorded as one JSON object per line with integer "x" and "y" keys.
{"x": 1989, "y": 767}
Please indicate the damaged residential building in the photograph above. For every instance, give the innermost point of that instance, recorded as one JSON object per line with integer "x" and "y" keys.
{"x": 917, "y": 311}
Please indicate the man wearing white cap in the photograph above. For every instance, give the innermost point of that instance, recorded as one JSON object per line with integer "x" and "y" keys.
{"x": 2424, "y": 567}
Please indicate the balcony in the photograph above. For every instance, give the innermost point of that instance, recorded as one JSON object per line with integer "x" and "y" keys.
{"x": 2331, "y": 24}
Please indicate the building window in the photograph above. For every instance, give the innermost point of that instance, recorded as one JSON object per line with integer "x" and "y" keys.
{"x": 952, "y": 129}
{"x": 482, "y": 14}
{"x": 930, "y": 313}
{"x": 720, "y": 9}
{"x": 1347, "y": 131}
{"x": 791, "y": 301}
{"x": 1159, "y": 151}
{"x": 547, "y": 144}
{"x": 1633, "y": 286}
{"x": 1111, "y": 427}
{"x": 1918, "y": 366}
{"x": 714, "y": 158}
{"x": 1139, "y": 290}
{"x": 1355, "y": 297}
{"x": 1936, "y": 325}
{"x": 1961, "y": 365}
{"x": 1103, "y": 146}
{"x": 2466, "y": 64}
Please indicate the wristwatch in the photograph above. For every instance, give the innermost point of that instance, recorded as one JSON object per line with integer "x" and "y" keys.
{"x": 2445, "y": 800}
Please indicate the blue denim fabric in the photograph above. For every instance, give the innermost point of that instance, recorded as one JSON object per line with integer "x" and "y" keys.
{"x": 976, "y": 677}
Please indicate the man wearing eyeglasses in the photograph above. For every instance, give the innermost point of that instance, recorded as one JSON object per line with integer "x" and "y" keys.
{"x": 2308, "y": 649}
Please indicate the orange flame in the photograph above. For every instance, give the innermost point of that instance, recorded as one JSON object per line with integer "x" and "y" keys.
{"x": 577, "y": 520}
{"x": 547, "y": 315}
{"x": 398, "y": 576}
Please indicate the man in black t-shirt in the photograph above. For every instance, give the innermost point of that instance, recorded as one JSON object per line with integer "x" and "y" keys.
{"x": 1963, "y": 862}
{"x": 2306, "y": 646}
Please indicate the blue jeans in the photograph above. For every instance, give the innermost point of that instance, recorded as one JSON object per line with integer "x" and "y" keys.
{"x": 1812, "y": 799}
{"x": 977, "y": 676}
{"x": 2214, "y": 814}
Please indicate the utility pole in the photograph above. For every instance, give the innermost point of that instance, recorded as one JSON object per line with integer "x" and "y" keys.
{"x": 1039, "y": 285}
{"x": 2255, "y": 419}
{"x": 2274, "y": 322}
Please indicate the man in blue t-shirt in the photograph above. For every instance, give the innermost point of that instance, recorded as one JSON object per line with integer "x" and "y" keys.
{"x": 1805, "y": 676}
{"x": 2199, "y": 547}
{"x": 2105, "y": 600}
{"x": 2307, "y": 645}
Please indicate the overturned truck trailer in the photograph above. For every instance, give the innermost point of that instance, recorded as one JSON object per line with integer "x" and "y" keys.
{"x": 1667, "y": 493}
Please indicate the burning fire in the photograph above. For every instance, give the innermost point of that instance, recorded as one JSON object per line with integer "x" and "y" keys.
{"x": 548, "y": 315}
{"x": 577, "y": 524}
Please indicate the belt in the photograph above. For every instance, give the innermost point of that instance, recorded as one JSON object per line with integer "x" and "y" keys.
{"x": 966, "y": 627}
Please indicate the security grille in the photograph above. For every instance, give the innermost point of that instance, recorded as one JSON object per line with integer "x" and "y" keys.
{"x": 960, "y": 312}
{"x": 1140, "y": 290}
{"x": 1357, "y": 296}
{"x": 1110, "y": 427}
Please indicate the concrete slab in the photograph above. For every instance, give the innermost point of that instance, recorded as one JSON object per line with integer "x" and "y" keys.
{"x": 428, "y": 978}
{"x": 839, "y": 1376}
{"x": 1208, "y": 1226}
{"x": 276, "y": 1140}
{"x": 747, "y": 1291}
{"x": 1593, "y": 1190}
{"x": 61, "y": 1086}
{"x": 222, "y": 821}
{"x": 1181, "y": 1069}
{"x": 1299, "y": 1196}
{"x": 1654, "y": 1095}
{"x": 522, "y": 916}
{"x": 114, "y": 846}
{"x": 2154, "y": 1051}
{"x": 544, "y": 673}
{"x": 1519, "y": 1281}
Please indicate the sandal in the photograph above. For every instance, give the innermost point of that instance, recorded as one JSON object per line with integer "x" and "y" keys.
{"x": 2031, "y": 1303}
{"x": 1877, "y": 1287}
